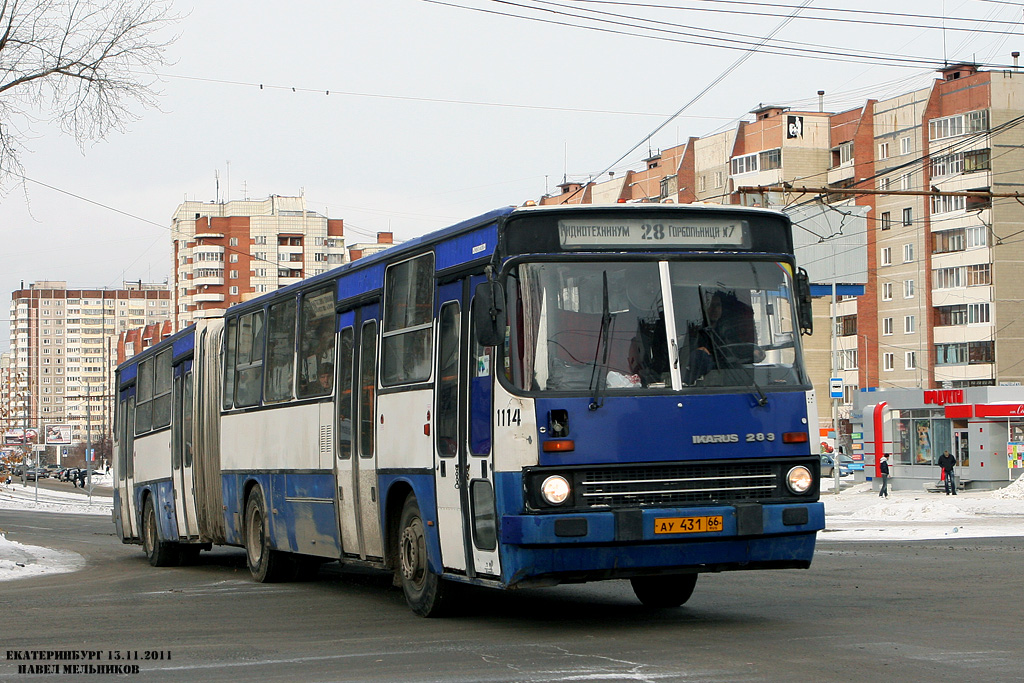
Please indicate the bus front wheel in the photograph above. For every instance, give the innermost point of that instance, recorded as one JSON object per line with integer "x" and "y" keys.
{"x": 425, "y": 591}
{"x": 664, "y": 591}
{"x": 159, "y": 553}
{"x": 265, "y": 564}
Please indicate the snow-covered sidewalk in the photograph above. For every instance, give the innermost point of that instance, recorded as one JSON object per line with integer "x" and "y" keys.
{"x": 859, "y": 514}
{"x": 18, "y": 561}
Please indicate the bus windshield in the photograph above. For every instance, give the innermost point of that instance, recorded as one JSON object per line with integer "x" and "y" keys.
{"x": 625, "y": 326}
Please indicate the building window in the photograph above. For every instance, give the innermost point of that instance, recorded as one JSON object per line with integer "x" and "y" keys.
{"x": 908, "y": 289}
{"x": 233, "y": 275}
{"x": 947, "y": 278}
{"x": 965, "y": 353}
{"x": 908, "y": 252}
{"x": 886, "y": 220}
{"x": 260, "y": 239}
{"x": 718, "y": 179}
{"x": 951, "y": 126}
{"x": 947, "y": 241}
{"x": 702, "y": 183}
{"x": 905, "y": 145}
{"x": 770, "y": 159}
{"x": 233, "y": 290}
{"x": 905, "y": 181}
{"x": 883, "y": 183}
{"x": 846, "y": 325}
{"x": 979, "y": 275}
{"x": 976, "y": 236}
{"x": 977, "y": 314}
{"x": 910, "y": 360}
{"x": 886, "y": 256}
{"x": 909, "y": 323}
{"x": 886, "y": 291}
{"x": 978, "y": 160}
{"x": 883, "y": 150}
{"x": 947, "y": 204}
{"x": 234, "y": 258}
{"x": 743, "y": 164}
{"x": 887, "y": 326}
{"x": 888, "y": 361}
{"x": 233, "y": 242}
{"x": 908, "y": 216}
{"x": 846, "y": 359}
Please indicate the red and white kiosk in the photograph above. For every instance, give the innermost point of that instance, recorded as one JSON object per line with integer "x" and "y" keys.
{"x": 982, "y": 426}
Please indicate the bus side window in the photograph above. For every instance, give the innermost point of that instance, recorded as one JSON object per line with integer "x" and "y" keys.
{"x": 280, "y": 372}
{"x": 367, "y": 384}
{"x": 316, "y": 344}
{"x": 407, "y": 333}
{"x": 447, "y": 422}
{"x": 249, "y": 367}
{"x": 345, "y": 394}
{"x": 229, "y": 363}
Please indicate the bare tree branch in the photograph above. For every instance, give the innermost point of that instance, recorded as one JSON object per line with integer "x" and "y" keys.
{"x": 85, "y": 65}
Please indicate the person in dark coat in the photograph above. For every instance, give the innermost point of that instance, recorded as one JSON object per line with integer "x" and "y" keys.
{"x": 947, "y": 462}
{"x": 883, "y": 467}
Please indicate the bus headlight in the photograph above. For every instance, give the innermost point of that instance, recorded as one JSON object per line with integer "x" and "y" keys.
{"x": 799, "y": 479}
{"x": 555, "y": 490}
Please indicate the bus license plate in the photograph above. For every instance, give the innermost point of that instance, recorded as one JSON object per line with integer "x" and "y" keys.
{"x": 687, "y": 525}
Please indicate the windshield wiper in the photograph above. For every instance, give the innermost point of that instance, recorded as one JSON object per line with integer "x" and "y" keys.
{"x": 599, "y": 375}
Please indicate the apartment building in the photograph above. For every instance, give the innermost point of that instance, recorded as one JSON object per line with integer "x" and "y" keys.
{"x": 229, "y": 252}
{"x": 942, "y": 304}
{"x": 61, "y": 366}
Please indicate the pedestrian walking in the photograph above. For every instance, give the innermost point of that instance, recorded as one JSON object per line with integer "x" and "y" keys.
{"x": 883, "y": 466}
{"x": 947, "y": 462}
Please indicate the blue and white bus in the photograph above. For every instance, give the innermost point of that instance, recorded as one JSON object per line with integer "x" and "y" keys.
{"x": 536, "y": 396}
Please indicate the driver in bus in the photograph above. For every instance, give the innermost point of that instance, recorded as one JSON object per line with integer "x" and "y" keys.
{"x": 728, "y": 337}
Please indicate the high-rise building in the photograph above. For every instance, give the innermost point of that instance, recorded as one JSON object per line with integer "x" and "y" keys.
{"x": 61, "y": 366}
{"x": 229, "y": 252}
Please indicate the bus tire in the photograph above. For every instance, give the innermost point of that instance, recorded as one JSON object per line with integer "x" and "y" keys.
{"x": 661, "y": 592}
{"x": 265, "y": 564}
{"x": 159, "y": 553}
{"x": 426, "y": 592}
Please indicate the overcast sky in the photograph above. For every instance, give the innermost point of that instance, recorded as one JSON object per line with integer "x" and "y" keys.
{"x": 436, "y": 113}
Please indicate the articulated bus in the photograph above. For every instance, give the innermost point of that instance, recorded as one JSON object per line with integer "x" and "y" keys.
{"x": 537, "y": 396}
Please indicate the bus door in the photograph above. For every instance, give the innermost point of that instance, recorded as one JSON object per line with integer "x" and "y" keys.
{"x": 126, "y": 464}
{"x": 478, "y": 494}
{"x": 463, "y": 467}
{"x": 182, "y": 476}
{"x": 449, "y": 432}
{"x": 356, "y": 461}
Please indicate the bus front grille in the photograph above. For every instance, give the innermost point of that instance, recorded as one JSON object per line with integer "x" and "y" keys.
{"x": 666, "y": 486}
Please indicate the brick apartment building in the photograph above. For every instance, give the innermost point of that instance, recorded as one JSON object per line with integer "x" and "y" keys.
{"x": 942, "y": 304}
{"x": 226, "y": 253}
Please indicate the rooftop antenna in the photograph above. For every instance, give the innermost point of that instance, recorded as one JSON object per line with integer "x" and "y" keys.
{"x": 227, "y": 183}
{"x": 216, "y": 180}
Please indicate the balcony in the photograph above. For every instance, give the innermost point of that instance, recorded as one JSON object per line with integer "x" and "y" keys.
{"x": 840, "y": 173}
{"x": 207, "y": 297}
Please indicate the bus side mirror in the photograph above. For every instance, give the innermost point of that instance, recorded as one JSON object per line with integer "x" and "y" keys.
{"x": 803, "y": 302}
{"x": 489, "y": 314}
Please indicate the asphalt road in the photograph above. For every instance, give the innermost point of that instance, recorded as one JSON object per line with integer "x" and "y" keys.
{"x": 908, "y": 611}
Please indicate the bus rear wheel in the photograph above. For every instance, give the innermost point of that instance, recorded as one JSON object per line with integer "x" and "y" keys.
{"x": 265, "y": 564}
{"x": 159, "y": 553}
{"x": 427, "y": 594}
{"x": 663, "y": 592}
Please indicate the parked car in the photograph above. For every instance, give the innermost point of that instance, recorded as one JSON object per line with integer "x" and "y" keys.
{"x": 828, "y": 467}
{"x": 32, "y": 473}
{"x": 851, "y": 464}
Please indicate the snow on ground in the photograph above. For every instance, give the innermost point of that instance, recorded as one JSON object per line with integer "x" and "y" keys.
{"x": 19, "y": 561}
{"x": 859, "y": 514}
{"x": 855, "y": 514}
